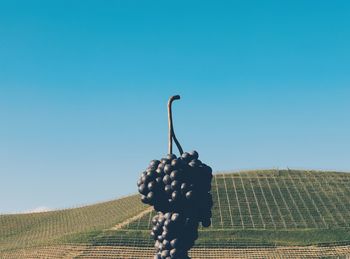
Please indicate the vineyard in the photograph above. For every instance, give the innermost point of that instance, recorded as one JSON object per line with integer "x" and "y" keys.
{"x": 256, "y": 214}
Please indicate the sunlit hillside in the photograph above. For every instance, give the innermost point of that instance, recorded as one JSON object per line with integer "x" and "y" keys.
{"x": 256, "y": 214}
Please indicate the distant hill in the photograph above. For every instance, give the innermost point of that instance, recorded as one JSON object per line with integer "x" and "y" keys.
{"x": 256, "y": 214}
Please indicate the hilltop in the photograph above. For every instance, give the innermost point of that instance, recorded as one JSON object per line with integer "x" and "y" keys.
{"x": 257, "y": 213}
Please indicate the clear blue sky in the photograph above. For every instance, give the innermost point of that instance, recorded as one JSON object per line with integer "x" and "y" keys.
{"x": 84, "y": 86}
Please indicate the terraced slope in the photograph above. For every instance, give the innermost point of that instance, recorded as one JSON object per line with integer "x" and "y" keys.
{"x": 56, "y": 227}
{"x": 277, "y": 200}
{"x": 256, "y": 214}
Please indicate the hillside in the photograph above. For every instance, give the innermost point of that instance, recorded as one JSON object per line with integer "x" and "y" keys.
{"x": 272, "y": 212}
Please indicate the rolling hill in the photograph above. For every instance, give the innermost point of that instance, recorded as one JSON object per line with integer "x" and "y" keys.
{"x": 256, "y": 214}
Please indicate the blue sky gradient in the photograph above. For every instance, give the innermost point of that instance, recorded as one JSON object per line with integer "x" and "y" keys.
{"x": 84, "y": 86}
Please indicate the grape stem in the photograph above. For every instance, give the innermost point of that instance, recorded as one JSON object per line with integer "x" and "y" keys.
{"x": 171, "y": 127}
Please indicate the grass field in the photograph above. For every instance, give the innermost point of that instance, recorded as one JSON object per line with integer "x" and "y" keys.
{"x": 275, "y": 210}
{"x": 56, "y": 227}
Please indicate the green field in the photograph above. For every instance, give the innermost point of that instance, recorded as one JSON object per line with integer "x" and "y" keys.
{"x": 55, "y": 227}
{"x": 269, "y": 208}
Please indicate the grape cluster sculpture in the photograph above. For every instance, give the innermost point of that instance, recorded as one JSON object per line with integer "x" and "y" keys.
{"x": 179, "y": 190}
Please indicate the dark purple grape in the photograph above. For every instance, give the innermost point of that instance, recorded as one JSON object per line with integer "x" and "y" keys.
{"x": 161, "y": 166}
{"x": 186, "y": 157}
{"x": 176, "y": 163}
{"x": 150, "y": 173}
{"x": 165, "y": 234}
{"x": 144, "y": 178}
{"x": 175, "y": 196}
{"x": 166, "y": 223}
{"x": 174, "y": 175}
{"x": 159, "y": 172}
{"x": 165, "y": 253}
{"x": 173, "y": 253}
{"x": 175, "y": 185}
{"x": 161, "y": 219}
{"x": 167, "y": 169}
{"x": 156, "y": 244}
{"x": 174, "y": 242}
{"x": 156, "y": 229}
{"x": 143, "y": 189}
{"x": 189, "y": 195}
{"x": 150, "y": 196}
{"x": 160, "y": 238}
{"x": 165, "y": 161}
{"x": 194, "y": 154}
{"x": 153, "y": 235}
{"x": 159, "y": 180}
{"x": 166, "y": 179}
{"x": 151, "y": 186}
{"x": 193, "y": 163}
{"x": 144, "y": 199}
{"x": 175, "y": 217}
{"x": 166, "y": 244}
{"x": 184, "y": 188}
{"x": 154, "y": 163}
{"x": 208, "y": 169}
{"x": 171, "y": 156}
{"x": 206, "y": 223}
{"x": 167, "y": 189}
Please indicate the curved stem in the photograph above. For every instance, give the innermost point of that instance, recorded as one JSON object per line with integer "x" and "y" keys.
{"x": 171, "y": 135}
{"x": 177, "y": 144}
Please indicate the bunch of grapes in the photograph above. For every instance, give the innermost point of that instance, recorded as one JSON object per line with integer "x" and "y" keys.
{"x": 174, "y": 235}
{"x": 179, "y": 190}
{"x": 178, "y": 184}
